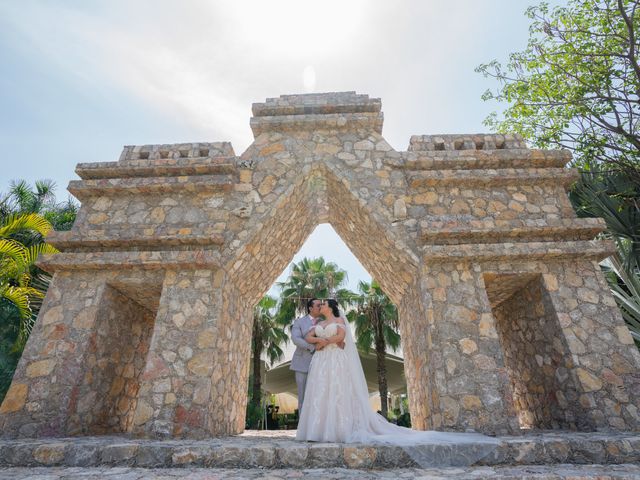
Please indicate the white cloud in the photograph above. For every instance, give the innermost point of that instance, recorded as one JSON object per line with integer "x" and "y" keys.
{"x": 205, "y": 62}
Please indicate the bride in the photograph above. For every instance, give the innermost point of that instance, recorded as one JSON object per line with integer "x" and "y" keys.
{"x": 336, "y": 406}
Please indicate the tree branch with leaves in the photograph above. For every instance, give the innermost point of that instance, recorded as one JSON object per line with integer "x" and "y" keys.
{"x": 577, "y": 83}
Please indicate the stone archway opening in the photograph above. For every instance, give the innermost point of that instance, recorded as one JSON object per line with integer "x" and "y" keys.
{"x": 277, "y": 379}
{"x": 320, "y": 198}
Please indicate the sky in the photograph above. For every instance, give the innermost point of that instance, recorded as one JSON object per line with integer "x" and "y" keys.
{"x": 82, "y": 78}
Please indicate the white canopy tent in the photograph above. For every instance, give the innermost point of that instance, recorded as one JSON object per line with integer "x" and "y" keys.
{"x": 280, "y": 381}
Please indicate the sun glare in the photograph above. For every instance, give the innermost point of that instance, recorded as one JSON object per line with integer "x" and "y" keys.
{"x": 309, "y": 79}
{"x": 295, "y": 27}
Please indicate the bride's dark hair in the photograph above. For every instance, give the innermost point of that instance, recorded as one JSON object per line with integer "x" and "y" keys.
{"x": 334, "y": 307}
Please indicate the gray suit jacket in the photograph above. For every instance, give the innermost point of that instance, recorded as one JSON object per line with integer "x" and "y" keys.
{"x": 304, "y": 350}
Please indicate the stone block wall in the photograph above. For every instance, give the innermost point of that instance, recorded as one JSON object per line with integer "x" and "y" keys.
{"x": 175, "y": 244}
{"x": 535, "y": 351}
{"x": 114, "y": 361}
{"x": 466, "y": 357}
{"x": 88, "y": 337}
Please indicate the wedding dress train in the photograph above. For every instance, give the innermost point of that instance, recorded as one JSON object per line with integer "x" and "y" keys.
{"x": 336, "y": 406}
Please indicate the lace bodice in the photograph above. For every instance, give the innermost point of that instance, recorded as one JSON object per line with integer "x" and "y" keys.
{"x": 328, "y": 331}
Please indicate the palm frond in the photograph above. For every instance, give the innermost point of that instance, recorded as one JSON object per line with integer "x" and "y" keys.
{"x": 625, "y": 287}
{"x": 12, "y": 251}
{"x": 42, "y": 248}
{"x": 18, "y": 296}
{"x": 17, "y": 223}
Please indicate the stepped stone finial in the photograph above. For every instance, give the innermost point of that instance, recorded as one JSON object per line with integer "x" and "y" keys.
{"x": 429, "y": 143}
{"x": 331, "y": 111}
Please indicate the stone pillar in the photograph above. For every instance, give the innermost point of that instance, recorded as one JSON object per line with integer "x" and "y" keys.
{"x": 605, "y": 361}
{"x": 415, "y": 334}
{"x": 44, "y": 392}
{"x": 193, "y": 384}
{"x": 471, "y": 384}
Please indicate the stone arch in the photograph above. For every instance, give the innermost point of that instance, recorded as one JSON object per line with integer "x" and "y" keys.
{"x": 174, "y": 244}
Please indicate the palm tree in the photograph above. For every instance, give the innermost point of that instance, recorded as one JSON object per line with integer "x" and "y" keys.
{"x": 267, "y": 336}
{"x": 27, "y": 215}
{"x": 310, "y": 278}
{"x": 376, "y": 321}
{"x": 16, "y": 263}
{"x": 616, "y": 198}
{"x": 22, "y": 198}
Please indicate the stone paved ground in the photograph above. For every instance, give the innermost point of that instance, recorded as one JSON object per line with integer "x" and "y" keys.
{"x": 574, "y": 472}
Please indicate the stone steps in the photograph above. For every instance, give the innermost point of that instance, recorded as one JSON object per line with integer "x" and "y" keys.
{"x": 250, "y": 451}
{"x": 334, "y": 111}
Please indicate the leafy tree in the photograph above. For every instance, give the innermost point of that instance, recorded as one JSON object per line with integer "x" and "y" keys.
{"x": 310, "y": 278}
{"x": 577, "y": 86}
{"x": 376, "y": 320}
{"x": 577, "y": 83}
{"x": 267, "y": 336}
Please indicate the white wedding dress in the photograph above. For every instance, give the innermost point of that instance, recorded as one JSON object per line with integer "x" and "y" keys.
{"x": 336, "y": 406}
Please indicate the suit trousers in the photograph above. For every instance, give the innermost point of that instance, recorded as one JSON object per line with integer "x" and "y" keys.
{"x": 301, "y": 381}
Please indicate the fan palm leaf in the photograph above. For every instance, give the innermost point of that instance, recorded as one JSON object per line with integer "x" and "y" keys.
{"x": 375, "y": 319}
{"x": 625, "y": 288}
{"x": 310, "y": 278}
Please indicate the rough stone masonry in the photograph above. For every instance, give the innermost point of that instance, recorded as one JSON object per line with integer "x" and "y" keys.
{"x": 506, "y": 319}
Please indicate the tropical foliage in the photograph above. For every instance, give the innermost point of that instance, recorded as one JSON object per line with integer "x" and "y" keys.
{"x": 26, "y": 217}
{"x": 616, "y": 198}
{"x": 376, "y": 321}
{"x": 40, "y": 199}
{"x": 268, "y": 337}
{"x": 310, "y": 278}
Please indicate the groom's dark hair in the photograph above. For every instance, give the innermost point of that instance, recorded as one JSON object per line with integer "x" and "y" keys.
{"x": 310, "y": 303}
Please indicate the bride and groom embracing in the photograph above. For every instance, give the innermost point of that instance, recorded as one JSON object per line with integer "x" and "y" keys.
{"x": 333, "y": 397}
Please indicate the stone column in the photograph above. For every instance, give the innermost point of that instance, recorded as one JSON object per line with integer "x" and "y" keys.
{"x": 605, "y": 360}
{"x": 190, "y": 387}
{"x": 415, "y": 333}
{"x": 471, "y": 385}
{"x": 44, "y": 391}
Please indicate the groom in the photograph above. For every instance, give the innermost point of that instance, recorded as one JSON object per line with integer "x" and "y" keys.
{"x": 304, "y": 350}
